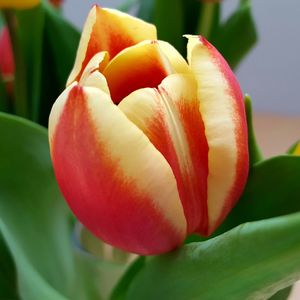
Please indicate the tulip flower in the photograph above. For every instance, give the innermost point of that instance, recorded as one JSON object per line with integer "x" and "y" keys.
{"x": 56, "y": 3}
{"x": 18, "y": 3}
{"x": 7, "y": 65}
{"x": 147, "y": 147}
{"x": 296, "y": 150}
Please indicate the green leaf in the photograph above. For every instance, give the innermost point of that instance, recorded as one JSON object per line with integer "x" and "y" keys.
{"x": 191, "y": 12}
{"x": 1, "y": 21}
{"x": 8, "y": 282}
{"x": 51, "y": 89}
{"x": 122, "y": 287}
{"x": 209, "y": 20}
{"x": 127, "y": 5}
{"x": 34, "y": 220}
{"x": 255, "y": 154}
{"x": 30, "y": 35}
{"x": 20, "y": 101}
{"x": 146, "y": 10}
{"x": 293, "y": 148}
{"x": 63, "y": 39}
{"x": 172, "y": 30}
{"x": 59, "y": 50}
{"x": 237, "y": 35}
{"x": 283, "y": 294}
{"x": 253, "y": 261}
{"x": 272, "y": 190}
{"x": 3, "y": 96}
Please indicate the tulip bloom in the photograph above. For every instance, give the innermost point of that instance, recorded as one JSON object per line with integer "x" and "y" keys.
{"x": 56, "y": 3}
{"x": 7, "y": 65}
{"x": 148, "y": 148}
{"x": 296, "y": 151}
{"x": 18, "y": 3}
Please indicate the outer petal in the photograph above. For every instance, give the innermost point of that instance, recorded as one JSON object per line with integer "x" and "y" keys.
{"x": 178, "y": 63}
{"x": 108, "y": 30}
{"x": 139, "y": 66}
{"x": 170, "y": 117}
{"x": 115, "y": 181}
{"x": 222, "y": 110}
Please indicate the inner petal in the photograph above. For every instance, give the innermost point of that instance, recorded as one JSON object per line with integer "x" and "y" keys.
{"x": 108, "y": 30}
{"x": 170, "y": 117}
{"x": 139, "y": 66}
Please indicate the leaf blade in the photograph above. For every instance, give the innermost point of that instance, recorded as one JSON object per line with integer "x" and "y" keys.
{"x": 252, "y": 261}
{"x": 34, "y": 220}
{"x": 236, "y": 37}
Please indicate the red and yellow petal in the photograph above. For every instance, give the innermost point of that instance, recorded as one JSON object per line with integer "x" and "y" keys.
{"x": 222, "y": 110}
{"x": 115, "y": 181}
{"x": 139, "y": 66}
{"x": 177, "y": 62}
{"x": 170, "y": 117}
{"x": 92, "y": 76}
{"x": 108, "y": 30}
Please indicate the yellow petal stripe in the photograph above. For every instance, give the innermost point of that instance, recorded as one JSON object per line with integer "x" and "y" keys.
{"x": 224, "y": 119}
{"x": 169, "y": 115}
{"x": 125, "y": 190}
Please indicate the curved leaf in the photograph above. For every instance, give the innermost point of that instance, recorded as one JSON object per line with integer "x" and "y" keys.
{"x": 282, "y": 294}
{"x": 34, "y": 220}
{"x": 252, "y": 261}
{"x": 272, "y": 190}
{"x": 8, "y": 282}
{"x": 237, "y": 35}
{"x": 30, "y": 38}
{"x": 146, "y": 10}
{"x": 292, "y": 149}
{"x": 122, "y": 287}
{"x": 3, "y": 96}
{"x": 172, "y": 30}
{"x": 59, "y": 48}
{"x": 255, "y": 154}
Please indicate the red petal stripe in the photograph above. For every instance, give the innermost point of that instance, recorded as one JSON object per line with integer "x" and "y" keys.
{"x": 108, "y": 30}
{"x": 98, "y": 191}
{"x": 241, "y": 132}
{"x": 174, "y": 125}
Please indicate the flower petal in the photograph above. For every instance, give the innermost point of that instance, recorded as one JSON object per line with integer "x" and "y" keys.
{"x": 108, "y": 30}
{"x": 178, "y": 63}
{"x": 139, "y": 66}
{"x": 92, "y": 76}
{"x": 170, "y": 117}
{"x": 222, "y": 110}
{"x": 115, "y": 181}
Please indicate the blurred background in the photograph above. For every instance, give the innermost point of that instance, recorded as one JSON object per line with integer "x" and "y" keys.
{"x": 270, "y": 73}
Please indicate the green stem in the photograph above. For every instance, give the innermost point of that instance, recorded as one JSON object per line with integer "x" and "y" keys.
{"x": 206, "y": 19}
{"x": 20, "y": 88}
